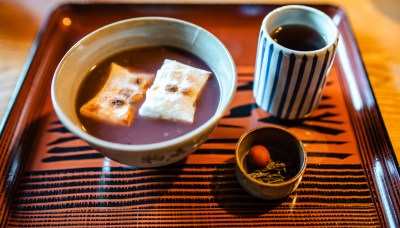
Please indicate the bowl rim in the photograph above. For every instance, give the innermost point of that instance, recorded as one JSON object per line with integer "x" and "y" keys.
{"x": 151, "y": 146}
{"x": 285, "y": 183}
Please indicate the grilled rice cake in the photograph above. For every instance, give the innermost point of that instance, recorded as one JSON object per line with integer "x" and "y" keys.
{"x": 174, "y": 92}
{"x": 116, "y": 101}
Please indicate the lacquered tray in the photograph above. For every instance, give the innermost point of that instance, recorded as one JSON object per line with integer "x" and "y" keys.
{"x": 49, "y": 177}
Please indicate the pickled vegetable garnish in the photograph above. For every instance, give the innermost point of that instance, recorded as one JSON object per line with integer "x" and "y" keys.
{"x": 273, "y": 173}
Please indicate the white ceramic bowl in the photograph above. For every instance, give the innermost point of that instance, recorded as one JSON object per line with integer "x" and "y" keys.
{"x": 127, "y": 34}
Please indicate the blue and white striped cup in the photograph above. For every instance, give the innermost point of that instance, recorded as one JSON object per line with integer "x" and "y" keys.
{"x": 288, "y": 83}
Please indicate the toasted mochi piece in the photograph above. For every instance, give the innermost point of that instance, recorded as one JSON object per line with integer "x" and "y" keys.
{"x": 115, "y": 102}
{"x": 174, "y": 92}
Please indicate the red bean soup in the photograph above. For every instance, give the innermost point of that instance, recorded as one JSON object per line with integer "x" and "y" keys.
{"x": 146, "y": 130}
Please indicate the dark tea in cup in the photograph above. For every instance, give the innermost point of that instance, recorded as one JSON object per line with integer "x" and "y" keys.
{"x": 298, "y": 37}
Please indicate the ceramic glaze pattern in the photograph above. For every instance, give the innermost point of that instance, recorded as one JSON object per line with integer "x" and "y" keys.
{"x": 294, "y": 103}
{"x": 288, "y": 84}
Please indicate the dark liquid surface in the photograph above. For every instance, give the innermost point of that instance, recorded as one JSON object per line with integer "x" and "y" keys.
{"x": 145, "y": 130}
{"x": 298, "y": 37}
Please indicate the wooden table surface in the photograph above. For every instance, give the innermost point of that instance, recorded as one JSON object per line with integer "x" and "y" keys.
{"x": 375, "y": 23}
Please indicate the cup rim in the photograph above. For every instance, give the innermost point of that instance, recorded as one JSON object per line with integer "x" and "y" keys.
{"x": 285, "y": 183}
{"x": 306, "y": 8}
{"x": 151, "y": 146}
